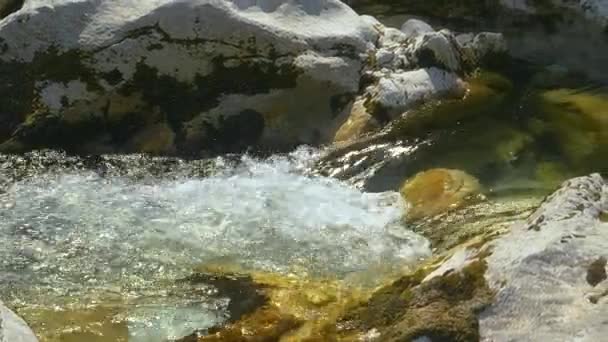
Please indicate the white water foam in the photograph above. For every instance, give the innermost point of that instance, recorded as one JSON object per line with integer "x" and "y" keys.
{"x": 75, "y": 229}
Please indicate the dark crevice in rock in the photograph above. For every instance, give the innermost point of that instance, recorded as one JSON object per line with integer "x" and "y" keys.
{"x": 245, "y": 295}
{"x": 596, "y": 273}
{"x": 236, "y": 133}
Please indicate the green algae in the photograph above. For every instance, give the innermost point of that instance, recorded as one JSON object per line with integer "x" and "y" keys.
{"x": 443, "y": 308}
{"x": 577, "y": 122}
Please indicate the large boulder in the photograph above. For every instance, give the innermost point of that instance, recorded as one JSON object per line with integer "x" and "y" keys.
{"x": 184, "y": 76}
{"x": 13, "y": 328}
{"x": 101, "y": 72}
{"x": 550, "y": 271}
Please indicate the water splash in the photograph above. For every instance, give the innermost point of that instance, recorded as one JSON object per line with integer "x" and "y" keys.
{"x": 65, "y": 231}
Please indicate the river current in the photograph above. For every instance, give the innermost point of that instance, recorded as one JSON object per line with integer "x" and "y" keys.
{"x": 77, "y": 233}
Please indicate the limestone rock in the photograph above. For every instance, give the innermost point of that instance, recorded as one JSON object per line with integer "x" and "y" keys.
{"x": 438, "y": 190}
{"x": 415, "y": 27}
{"x": 392, "y": 37}
{"x": 13, "y": 328}
{"x": 437, "y": 49}
{"x": 222, "y": 75}
{"x": 397, "y": 92}
{"x": 541, "y": 270}
{"x": 195, "y": 63}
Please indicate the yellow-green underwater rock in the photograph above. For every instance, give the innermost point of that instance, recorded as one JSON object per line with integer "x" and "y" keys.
{"x": 435, "y": 191}
{"x": 452, "y": 228}
{"x": 79, "y": 323}
{"x": 578, "y": 121}
{"x": 297, "y": 308}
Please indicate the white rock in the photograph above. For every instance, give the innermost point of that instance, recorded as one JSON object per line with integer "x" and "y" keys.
{"x": 340, "y": 71}
{"x": 415, "y": 27}
{"x": 317, "y": 44}
{"x": 540, "y": 270}
{"x": 55, "y": 95}
{"x": 384, "y": 56}
{"x": 440, "y": 47}
{"x": 400, "y": 91}
{"x": 392, "y": 37}
{"x": 13, "y": 328}
{"x": 372, "y": 21}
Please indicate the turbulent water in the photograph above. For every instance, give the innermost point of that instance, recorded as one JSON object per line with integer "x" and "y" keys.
{"x": 69, "y": 231}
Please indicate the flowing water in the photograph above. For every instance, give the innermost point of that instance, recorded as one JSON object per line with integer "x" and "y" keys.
{"x": 97, "y": 249}
{"x": 75, "y": 234}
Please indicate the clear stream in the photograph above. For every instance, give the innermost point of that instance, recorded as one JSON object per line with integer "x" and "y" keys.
{"x": 86, "y": 250}
{"x": 75, "y": 234}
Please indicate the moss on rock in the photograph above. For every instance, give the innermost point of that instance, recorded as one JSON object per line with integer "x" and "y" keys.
{"x": 145, "y": 99}
{"x": 443, "y": 308}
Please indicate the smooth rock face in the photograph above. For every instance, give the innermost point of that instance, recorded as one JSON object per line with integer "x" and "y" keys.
{"x": 398, "y": 92}
{"x": 415, "y": 27}
{"x": 13, "y": 328}
{"x": 548, "y": 271}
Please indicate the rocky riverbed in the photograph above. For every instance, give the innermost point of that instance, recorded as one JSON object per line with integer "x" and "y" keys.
{"x": 206, "y": 170}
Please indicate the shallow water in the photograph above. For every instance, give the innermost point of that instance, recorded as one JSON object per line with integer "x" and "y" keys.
{"x": 75, "y": 235}
{"x": 95, "y": 249}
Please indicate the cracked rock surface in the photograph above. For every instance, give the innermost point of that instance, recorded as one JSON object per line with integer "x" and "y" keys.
{"x": 549, "y": 272}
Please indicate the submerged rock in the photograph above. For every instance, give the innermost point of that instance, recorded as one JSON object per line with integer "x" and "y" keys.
{"x": 359, "y": 122}
{"x": 9, "y": 6}
{"x": 13, "y": 328}
{"x": 436, "y": 191}
{"x": 578, "y": 122}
